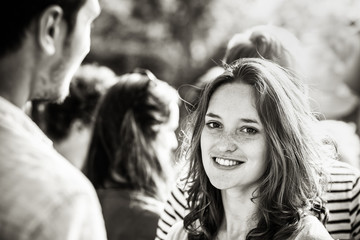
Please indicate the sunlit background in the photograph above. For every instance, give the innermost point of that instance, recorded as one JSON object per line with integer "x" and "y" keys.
{"x": 179, "y": 40}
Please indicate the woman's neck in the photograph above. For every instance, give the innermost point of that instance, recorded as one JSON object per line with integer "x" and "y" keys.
{"x": 240, "y": 214}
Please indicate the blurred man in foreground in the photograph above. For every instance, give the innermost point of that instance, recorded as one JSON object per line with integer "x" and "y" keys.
{"x": 43, "y": 195}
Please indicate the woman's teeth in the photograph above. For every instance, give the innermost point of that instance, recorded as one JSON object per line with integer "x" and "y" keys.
{"x": 226, "y": 162}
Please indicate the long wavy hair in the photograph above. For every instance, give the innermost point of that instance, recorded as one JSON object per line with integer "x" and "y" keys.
{"x": 121, "y": 149}
{"x": 294, "y": 175}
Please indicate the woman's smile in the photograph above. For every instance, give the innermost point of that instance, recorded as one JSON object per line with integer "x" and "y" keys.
{"x": 226, "y": 163}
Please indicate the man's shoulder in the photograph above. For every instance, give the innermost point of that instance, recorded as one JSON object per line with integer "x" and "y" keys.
{"x": 48, "y": 173}
{"x": 36, "y": 185}
{"x": 34, "y": 166}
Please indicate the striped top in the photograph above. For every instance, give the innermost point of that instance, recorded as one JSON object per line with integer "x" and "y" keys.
{"x": 342, "y": 197}
{"x": 343, "y": 202}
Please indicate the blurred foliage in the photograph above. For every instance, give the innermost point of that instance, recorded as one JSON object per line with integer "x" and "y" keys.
{"x": 179, "y": 40}
{"x": 153, "y": 34}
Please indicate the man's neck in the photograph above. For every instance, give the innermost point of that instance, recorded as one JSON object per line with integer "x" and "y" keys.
{"x": 14, "y": 79}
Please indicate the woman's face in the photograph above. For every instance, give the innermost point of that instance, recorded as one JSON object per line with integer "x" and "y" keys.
{"x": 233, "y": 143}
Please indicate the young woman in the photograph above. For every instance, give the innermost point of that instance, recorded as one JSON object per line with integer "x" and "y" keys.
{"x": 255, "y": 159}
{"x": 129, "y": 160}
{"x": 263, "y": 41}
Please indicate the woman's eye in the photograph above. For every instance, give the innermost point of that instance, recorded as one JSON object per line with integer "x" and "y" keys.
{"x": 249, "y": 130}
{"x": 213, "y": 125}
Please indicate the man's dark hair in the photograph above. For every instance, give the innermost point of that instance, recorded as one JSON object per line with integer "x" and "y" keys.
{"x": 17, "y": 15}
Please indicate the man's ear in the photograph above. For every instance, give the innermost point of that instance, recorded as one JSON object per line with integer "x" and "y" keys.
{"x": 50, "y": 28}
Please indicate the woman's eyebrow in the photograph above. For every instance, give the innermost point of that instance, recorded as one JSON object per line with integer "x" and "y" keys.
{"x": 210, "y": 114}
{"x": 246, "y": 120}
{"x": 249, "y": 120}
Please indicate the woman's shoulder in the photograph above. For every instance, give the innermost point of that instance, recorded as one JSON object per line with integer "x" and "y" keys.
{"x": 177, "y": 232}
{"x": 312, "y": 229}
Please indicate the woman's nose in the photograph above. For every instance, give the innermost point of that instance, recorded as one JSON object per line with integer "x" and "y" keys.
{"x": 227, "y": 143}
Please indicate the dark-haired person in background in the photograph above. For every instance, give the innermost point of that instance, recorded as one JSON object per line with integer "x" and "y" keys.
{"x": 130, "y": 154}
{"x": 42, "y": 195}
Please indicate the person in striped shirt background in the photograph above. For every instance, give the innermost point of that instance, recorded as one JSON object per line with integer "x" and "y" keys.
{"x": 343, "y": 194}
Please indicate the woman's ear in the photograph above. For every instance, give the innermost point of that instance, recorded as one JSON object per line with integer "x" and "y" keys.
{"x": 50, "y": 28}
